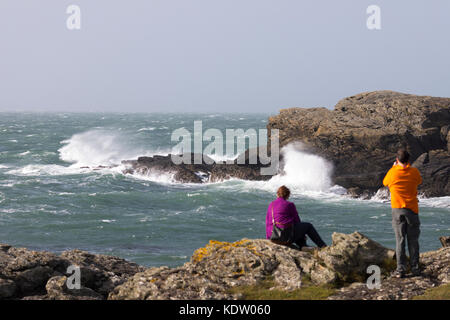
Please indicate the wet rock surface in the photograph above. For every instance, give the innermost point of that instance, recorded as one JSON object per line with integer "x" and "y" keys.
{"x": 204, "y": 169}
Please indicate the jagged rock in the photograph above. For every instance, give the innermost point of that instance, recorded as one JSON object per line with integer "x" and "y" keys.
{"x": 356, "y": 192}
{"x": 350, "y": 255}
{"x": 7, "y": 288}
{"x": 391, "y": 289}
{"x": 29, "y": 270}
{"x": 445, "y": 241}
{"x": 206, "y": 171}
{"x": 363, "y": 133}
{"x": 216, "y": 268}
{"x": 434, "y": 166}
{"x": 213, "y": 270}
{"x": 436, "y": 264}
{"x": 100, "y": 272}
{"x": 57, "y": 290}
{"x": 219, "y": 266}
{"x": 26, "y": 273}
{"x": 435, "y": 272}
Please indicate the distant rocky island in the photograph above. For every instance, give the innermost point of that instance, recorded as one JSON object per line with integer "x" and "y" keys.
{"x": 360, "y": 137}
{"x": 219, "y": 271}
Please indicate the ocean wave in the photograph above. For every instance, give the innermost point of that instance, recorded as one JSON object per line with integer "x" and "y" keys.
{"x": 303, "y": 173}
{"x": 147, "y": 129}
{"x": 383, "y": 196}
{"x": 46, "y": 169}
{"x": 108, "y": 221}
{"x": 101, "y": 148}
{"x": 94, "y": 148}
{"x": 157, "y": 177}
{"x": 222, "y": 158}
{"x": 437, "y": 202}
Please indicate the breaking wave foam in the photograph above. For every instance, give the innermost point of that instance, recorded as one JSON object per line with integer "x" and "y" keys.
{"x": 94, "y": 148}
{"x": 303, "y": 173}
{"x": 100, "y": 147}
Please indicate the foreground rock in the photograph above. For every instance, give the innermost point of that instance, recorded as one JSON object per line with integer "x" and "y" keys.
{"x": 445, "y": 241}
{"x": 436, "y": 271}
{"x": 363, "y": 132}
{"x": 215, "y": 269}
{"x": 219, "y": 266}
{"x": 42, "y": 275}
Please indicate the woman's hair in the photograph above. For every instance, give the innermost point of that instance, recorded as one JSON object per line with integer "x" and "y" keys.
{"x": 283, "y": 192}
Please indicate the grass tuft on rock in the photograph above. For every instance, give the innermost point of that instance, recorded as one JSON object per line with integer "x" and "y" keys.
{"x": 264, "y": 290}
{"x": 437, "y": 293}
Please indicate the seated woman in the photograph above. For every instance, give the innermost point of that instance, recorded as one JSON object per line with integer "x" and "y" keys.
{"x": 285, "y": 213}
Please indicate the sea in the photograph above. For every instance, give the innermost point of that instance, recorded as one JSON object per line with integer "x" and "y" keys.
{"x": 55, "y": 197}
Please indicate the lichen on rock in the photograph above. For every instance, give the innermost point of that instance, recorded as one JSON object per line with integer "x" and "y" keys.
{"x": 219, "y": 266}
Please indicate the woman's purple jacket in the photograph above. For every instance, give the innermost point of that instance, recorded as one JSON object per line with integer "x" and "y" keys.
{"x": 284, "y": 213}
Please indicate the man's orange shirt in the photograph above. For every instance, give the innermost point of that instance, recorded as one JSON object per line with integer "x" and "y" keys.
{"x": 402, "y": 183}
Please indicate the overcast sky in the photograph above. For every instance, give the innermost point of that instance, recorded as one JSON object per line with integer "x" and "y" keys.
{"x": 217, "y": 55}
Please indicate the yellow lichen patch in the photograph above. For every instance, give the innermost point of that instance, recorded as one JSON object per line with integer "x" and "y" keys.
{"x": 218, "y": 246}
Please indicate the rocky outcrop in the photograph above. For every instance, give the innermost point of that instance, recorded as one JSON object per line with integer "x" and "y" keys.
{"x": 435, "y": 272}
{"x": 363, "y": 132}
{"x": 214, "y": 270}
{"x": 360, "y": 137}
{"x": 42, "y": 275}
{"x": 206, "y": 171}
{"x": 445, "y": 241}
{"x": 220, "y": 266}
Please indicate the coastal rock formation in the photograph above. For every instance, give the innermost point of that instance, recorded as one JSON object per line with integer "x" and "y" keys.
{"x": 206, "y": 171}
{"x": 360, "y": 137}
{"x": 214, "y": 270}
{"x": 445, "y": 241}
{"x": 219, "y": 266}
{"x": 363, "y": 132}
{"x": 41, "y": 275}
{"x": 435, "y": 272}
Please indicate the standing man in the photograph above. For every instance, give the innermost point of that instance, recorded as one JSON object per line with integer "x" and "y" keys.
{"x": 402, "y": 180}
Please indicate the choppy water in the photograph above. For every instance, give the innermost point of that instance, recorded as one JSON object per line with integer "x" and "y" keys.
{"x": 48, "y": 202}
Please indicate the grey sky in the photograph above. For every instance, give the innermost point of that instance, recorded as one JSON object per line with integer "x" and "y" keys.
{"x": 217, "y": 55}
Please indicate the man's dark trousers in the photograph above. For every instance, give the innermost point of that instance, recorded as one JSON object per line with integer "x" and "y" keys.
{"x": 406, "y": 226}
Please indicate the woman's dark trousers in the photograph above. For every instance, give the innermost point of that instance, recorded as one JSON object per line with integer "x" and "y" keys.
{"x": 303, "y": 229}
